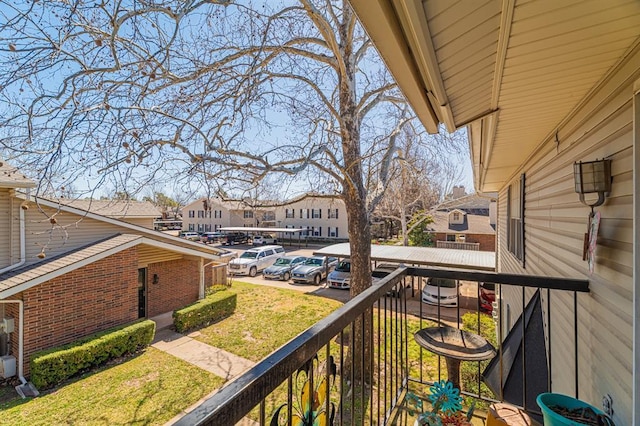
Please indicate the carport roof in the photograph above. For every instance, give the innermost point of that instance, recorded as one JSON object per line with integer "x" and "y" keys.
{"x": 422, "y": 256}
{"x": 257, "y": 229}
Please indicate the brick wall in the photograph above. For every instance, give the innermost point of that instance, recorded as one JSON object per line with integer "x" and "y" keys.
{"x": 178, "y": 285}
{"x": 93, "y": 298}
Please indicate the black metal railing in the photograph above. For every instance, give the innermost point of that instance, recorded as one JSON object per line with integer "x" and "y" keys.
{"x": 356, "y": 365}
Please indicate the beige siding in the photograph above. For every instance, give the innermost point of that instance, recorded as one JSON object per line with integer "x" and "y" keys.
{"x": 324, "y": 222}
{"x": 218, "y": 208}
{"x": 148, "y": 254}
{"x": 69, "y": 231}
{"x": 9, "y": 229}
{"x": 555, "y": 223}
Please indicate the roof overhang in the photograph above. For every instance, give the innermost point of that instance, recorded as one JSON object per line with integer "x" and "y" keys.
{"x": 510, "y": 71}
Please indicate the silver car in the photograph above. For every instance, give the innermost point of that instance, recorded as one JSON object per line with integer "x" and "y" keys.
{"x": 281, "y": 269}
{"x": 313, "y": 270}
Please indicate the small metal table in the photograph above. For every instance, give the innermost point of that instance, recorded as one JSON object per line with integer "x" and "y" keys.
{"x": 455, "y": 345}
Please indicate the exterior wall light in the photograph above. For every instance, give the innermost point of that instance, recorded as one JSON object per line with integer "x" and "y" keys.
{"x": 156, "y": 279}
{"x": 591, "y": 177}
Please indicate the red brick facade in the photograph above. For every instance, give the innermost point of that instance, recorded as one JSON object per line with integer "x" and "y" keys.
{"x": 99, "y": 296}
{"x": 178, "y": 285}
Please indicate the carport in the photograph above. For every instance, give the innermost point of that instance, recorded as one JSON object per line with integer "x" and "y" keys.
{"x": 421, "y": 256}
{"x": 280, "y": 232}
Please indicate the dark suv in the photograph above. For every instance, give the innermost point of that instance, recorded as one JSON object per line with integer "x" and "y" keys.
{"x": 235, "y": 238}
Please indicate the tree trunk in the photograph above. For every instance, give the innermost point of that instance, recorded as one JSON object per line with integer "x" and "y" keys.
{"x": 355, "y": 198}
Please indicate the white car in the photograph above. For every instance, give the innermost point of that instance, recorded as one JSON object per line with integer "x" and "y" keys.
{"x": 441, "y": 291}
{"x": 259, "y": 240}
{"x": 341, "y": 276}
{"x": 255, "y": 260}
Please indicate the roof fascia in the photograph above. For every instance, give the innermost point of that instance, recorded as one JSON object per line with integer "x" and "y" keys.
{"x": 380, "y": 20}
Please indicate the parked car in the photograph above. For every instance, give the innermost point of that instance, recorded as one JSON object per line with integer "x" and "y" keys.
{"x": 255, "y": 260}
{"x": 341, "y": 275}
{"x": 189, "y": 235}
{"x": 441, "y": 291}
{"x": 235, "y": 238}
{"x": 487, "y": 297}
{"x": 211, "y": 237}
{"x": 384, "y": 269}
{"x": 313, "y": 270}
{"x": 281, "y": 269}
{"x": 263, "y": 239}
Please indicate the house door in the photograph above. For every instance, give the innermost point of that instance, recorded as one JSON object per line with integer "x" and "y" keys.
{"x": 142, "y": 293}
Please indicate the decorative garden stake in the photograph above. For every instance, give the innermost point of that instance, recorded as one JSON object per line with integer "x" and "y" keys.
{"x": 447, "y": 406}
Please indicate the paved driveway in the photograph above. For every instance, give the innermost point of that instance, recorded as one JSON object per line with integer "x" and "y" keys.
{"x": 468, "y": 290}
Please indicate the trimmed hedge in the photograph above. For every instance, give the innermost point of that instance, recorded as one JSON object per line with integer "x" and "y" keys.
{"x": 53, "y": 366}
{"x": 205, "y": 311}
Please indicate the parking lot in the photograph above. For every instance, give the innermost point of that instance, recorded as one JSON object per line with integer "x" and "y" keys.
{"x": 468, "y": 290}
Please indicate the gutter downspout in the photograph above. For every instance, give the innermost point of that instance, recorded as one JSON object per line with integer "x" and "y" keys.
{"x": 23, "y": 255}
{"x": 20, "y": 338}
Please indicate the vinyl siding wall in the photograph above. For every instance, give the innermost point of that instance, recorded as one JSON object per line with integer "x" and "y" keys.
{"x": 555, "y": 223}
{"x": 9, "y": 229}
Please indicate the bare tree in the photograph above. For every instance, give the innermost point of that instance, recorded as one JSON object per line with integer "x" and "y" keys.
{"x": 139, "y": 93}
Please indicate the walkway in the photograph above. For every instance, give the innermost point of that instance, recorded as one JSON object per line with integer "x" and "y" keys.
{"x": 217, "y": 361}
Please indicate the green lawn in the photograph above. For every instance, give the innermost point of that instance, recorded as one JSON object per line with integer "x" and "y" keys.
{"x": 265, "y": 319}
{"x": 153, "y": 387}
{"x": 149, "y": 389}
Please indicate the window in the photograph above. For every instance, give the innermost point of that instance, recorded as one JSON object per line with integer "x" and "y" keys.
{"x": 456, "y": 216}
{"x": 200, "y": 227}
{"x": 248, "y": 214}
{"x": 200, "y": 214}
{"x": 451, "y": 237}
{"x": 207, "y": 228}
{"x": 304, "y": 213}
{"x": 333, "y": 213}
{"x": 192, "y": 226}
{"x": 316, "y": 214}
{"x": 289, "y": 214}
{"x": 515, "y": 218}
{"x": 317, "y": 232}
{"x": 332, "y": 232}
{"x": 192, "y": 213}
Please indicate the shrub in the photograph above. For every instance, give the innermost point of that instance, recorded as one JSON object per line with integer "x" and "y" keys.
{"x": 216, "y": 288}
{"x": 53, "y": 366}
{"x": 203, "y": 312}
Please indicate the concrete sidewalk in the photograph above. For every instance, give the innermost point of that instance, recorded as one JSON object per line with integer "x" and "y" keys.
{"x": 217, "y": 361}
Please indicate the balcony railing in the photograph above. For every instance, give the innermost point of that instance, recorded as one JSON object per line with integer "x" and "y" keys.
{"x": 457, "y": 245}
{"x": 357, "y": 365}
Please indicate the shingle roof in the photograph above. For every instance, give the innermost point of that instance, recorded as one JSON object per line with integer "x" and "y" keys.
{"x": 66, "y": 261}
{"x": 467, "y": 202}
{"x": 116, "y": 208}
{"x": 473, "y": 224}
{"x": 10, "y": 177}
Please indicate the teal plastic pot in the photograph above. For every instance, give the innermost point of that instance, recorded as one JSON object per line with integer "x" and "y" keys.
{"x": 551, "y": 418}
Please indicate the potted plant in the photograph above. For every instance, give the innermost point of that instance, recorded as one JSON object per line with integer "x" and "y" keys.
{"x": 562, "y": 410}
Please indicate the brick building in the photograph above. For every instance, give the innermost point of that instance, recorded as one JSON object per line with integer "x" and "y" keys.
{"x": 66, "y": 273}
